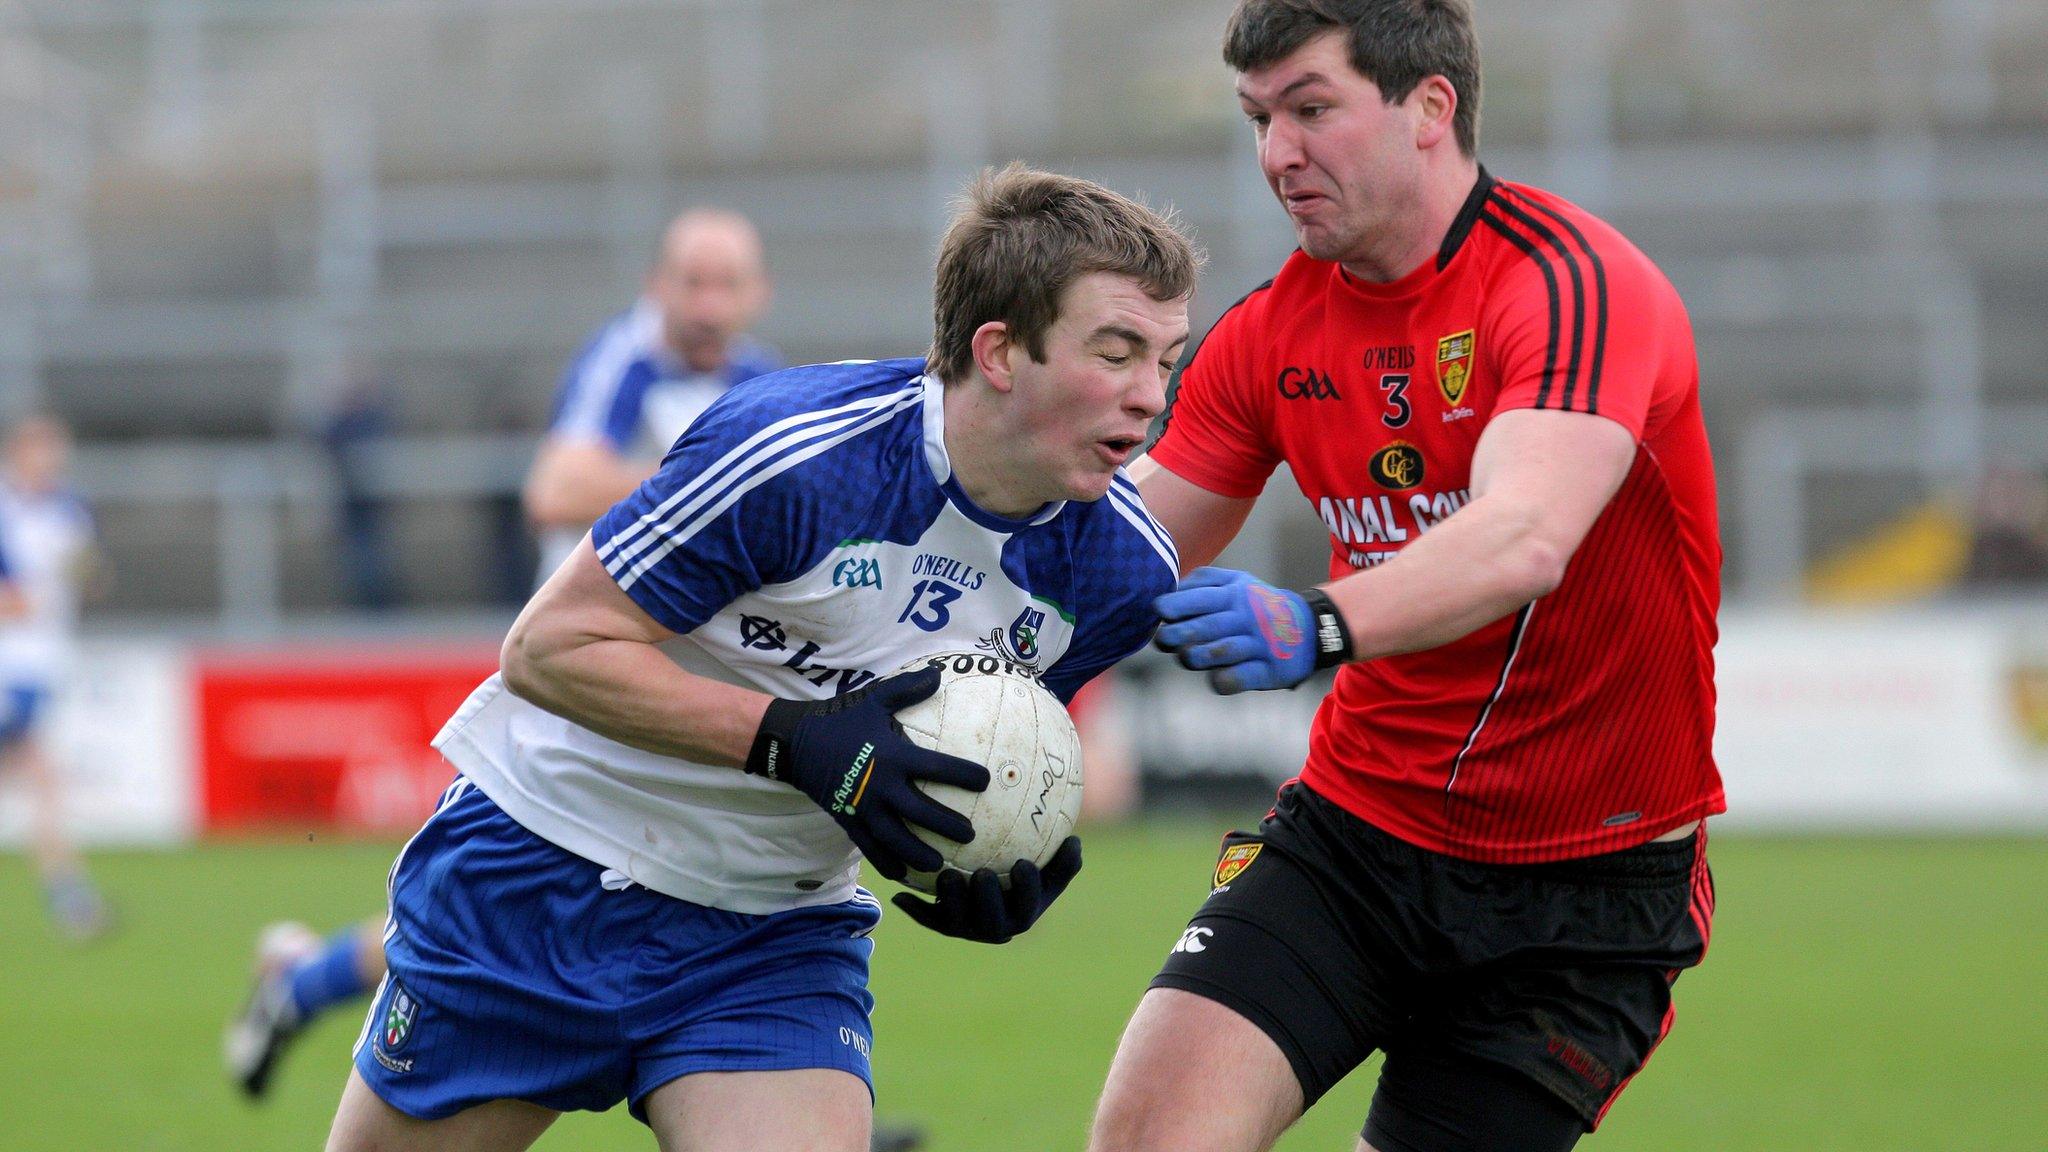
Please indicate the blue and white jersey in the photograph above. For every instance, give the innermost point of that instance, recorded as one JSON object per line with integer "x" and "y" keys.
{"x": 628, "y": 391}
{"x": 45, "y": 539}
{"x": 805, "y": 537}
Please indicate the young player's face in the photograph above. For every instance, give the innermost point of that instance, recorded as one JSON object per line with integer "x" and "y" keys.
{"x": 1084, "y": 412}
{"x": 1340, "y": 158}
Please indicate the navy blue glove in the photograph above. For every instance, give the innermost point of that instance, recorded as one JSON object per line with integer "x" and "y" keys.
{"x": 1247, "y": 634}
{"x": 850, "y": 756}
{"x": 979, "y": 908}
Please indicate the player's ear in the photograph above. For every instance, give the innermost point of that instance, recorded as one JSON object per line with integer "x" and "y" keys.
{"x": 993, "y": 350}
{"x": 1435, "y": 102}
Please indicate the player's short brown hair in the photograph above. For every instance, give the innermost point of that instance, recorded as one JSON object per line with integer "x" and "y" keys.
{"x": 1396, "y": 44}
{"x": 1019, "y": 237}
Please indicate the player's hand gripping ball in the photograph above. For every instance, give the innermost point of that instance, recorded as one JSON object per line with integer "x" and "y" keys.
{"x": 995, "y": 713}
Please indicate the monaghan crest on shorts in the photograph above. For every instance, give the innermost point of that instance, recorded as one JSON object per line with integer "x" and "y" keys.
{"x": 398, "y": 1020}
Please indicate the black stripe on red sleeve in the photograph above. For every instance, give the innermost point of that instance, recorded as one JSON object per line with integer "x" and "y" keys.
{"x": 1599, "y": 298}
{"x": 1569, "y": 259}
{"x": 1550, "y": 284}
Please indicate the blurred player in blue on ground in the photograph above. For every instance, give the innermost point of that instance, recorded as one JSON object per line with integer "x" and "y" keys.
{"x": 642, "y": 884}
{"x": 46, "y": 559}
{"x": 624, "y": 400}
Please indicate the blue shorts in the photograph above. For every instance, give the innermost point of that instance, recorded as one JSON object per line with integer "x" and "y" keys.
{"x": 517, "y": 974}
{"x": 21, "y": 705}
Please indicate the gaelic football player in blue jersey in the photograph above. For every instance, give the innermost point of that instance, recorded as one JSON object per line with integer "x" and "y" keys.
{"x": 642, "y": 884}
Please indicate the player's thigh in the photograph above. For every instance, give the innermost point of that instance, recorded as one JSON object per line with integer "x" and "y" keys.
{"x": 1192, "y": 1075}
{"x": 800, "y": 1110}
{"x": 365, "y": 1123}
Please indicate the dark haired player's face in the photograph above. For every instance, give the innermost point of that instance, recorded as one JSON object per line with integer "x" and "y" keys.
{"x": 1341, "y": 159}
{"x": 1084, "y": 412}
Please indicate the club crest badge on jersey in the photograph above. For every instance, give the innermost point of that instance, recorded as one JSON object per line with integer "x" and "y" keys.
{"x": 399, "y": 1018}
{"x": 1234, "y": 861}
{"x": 1024, "y": 634}
{"x": 1019, "y": 642}
{"x": 1454, "y": 365}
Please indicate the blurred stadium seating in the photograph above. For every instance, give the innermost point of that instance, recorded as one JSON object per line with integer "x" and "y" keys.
{"x": 210, "y": 208}
{"x": 220, "y": 218}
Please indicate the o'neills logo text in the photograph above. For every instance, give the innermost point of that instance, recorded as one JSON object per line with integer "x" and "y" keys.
{"x": 1397, "y": 466}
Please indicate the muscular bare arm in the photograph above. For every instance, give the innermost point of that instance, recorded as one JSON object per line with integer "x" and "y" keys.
{"x": 1201, "y": 522}
{"x": 1539, "y": 480}
{"x": 573, "y": 482}
{"x": 585, "y": 651}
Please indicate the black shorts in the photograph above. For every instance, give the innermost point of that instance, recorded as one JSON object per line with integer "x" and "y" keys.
{"x": 1335, "y": 939}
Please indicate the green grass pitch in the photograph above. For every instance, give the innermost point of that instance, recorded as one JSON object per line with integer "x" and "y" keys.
{"x": 1860, "y": 994}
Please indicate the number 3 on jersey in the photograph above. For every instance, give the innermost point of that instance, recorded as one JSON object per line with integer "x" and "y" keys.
{"x": 1395, "y": 385}
{"x": 927, "y": 608}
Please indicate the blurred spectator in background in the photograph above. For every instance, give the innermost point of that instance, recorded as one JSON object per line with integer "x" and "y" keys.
{"x": 46, "y": 560}
{"x": 1992, "y": 540}
{"x": 1111, "y": 769}
{"x": 2008, "y": 532}
{"x": 647, "y": 374}
{"x": 351, "y": 431}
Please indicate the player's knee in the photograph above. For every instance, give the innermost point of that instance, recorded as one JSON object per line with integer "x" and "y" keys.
{"x": 1136, "y": 1115}
{"x": 1125, "y": 1124}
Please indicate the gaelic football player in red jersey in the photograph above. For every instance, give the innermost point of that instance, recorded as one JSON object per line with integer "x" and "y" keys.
{"x": 1492, "y": 866}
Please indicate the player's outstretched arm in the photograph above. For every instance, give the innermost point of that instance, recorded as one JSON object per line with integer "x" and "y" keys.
{"x": 981, "y": 909}
{"x": 1539, "y": 480}
{"x": 1202, "y": 523}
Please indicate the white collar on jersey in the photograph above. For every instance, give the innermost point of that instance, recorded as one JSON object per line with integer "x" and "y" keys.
{"x": 942, "y": 467}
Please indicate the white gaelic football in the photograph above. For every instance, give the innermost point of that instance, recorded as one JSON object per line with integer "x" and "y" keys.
{"x": 995, "y": 713}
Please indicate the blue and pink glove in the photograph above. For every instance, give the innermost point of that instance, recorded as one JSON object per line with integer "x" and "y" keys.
{"x": 1248, "y": 635}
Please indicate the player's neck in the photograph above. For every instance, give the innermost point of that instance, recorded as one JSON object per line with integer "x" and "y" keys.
{"x": 701, "y": 355}
{"x": 975, "y": 445}
{"x": 1418, "y": 233}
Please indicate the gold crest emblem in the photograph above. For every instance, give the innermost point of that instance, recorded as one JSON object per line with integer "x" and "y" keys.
{"x": 1235, "y": 860}
{"x": 1399, "y": 466}
{"x": 1454, "y": 365}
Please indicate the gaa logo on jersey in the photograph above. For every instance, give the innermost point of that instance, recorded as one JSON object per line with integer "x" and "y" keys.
{"x": 857, "y": 572}
{"x": 399, "y": 1017}
{"x": 1454, "y": 365}
{"x": 1397, "y": 466}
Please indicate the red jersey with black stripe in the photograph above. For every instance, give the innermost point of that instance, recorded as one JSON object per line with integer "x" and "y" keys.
{"x": 1582, "y": 723}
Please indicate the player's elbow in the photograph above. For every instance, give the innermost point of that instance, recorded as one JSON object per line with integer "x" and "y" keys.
{"x": 522, "y": 661}
{"x": 1534, "y": 567}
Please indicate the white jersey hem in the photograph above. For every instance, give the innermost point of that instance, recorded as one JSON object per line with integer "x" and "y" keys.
{"x": 567, "y": 834}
